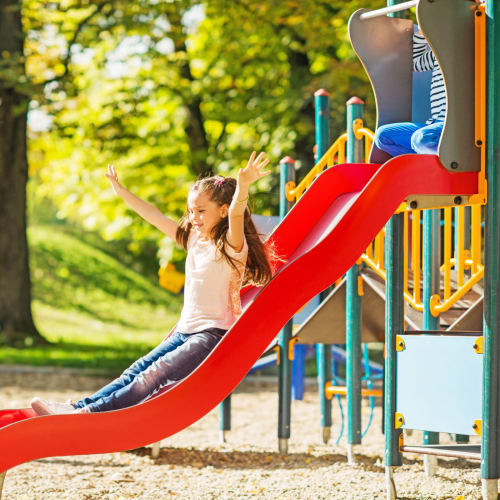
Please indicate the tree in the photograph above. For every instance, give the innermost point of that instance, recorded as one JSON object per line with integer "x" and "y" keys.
{"x": 194, "y": 99}
{"x": 16, "y": 321}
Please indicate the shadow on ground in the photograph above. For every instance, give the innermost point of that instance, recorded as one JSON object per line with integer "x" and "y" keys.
{"x": 249, "y": 459}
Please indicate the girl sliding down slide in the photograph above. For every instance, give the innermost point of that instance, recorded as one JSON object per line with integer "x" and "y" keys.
{"x": 224, "y": 252}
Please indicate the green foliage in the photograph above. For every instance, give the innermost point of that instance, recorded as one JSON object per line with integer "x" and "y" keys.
{"x": 166, "y": 99}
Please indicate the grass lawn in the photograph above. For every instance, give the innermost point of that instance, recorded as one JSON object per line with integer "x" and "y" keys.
{"x": 96, "y": 312}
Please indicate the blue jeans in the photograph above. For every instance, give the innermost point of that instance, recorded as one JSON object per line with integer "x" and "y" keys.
{"x": 408, "y": 137}
{"x": 175, "y": 358}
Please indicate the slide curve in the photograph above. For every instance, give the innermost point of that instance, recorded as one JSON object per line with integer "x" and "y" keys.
{"x": 320, "y": 238}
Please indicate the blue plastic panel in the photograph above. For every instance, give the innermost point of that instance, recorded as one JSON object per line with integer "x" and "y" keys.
{"x": 439, "y": 383}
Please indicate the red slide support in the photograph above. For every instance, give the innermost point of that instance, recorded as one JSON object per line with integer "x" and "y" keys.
{"x": 320, "y": 238}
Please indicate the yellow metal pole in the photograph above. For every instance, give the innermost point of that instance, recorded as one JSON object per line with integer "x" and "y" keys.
{"x": 415, "y": 254}
{"x": 447, "y": 252}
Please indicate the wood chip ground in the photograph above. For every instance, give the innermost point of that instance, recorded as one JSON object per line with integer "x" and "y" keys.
{"x": 194, "y": 465}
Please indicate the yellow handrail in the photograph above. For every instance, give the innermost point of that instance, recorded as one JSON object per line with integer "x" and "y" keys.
{"x": 361, "y": 132}
{"x": 456, "y": 257}
{"x": 293, "y": 192}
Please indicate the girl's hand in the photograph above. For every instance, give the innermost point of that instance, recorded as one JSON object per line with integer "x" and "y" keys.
{"x": 253, "y": 171}
{"x": 113, "y": 177}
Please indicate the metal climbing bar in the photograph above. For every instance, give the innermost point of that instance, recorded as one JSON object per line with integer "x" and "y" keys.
{"x": 389, "y": 10}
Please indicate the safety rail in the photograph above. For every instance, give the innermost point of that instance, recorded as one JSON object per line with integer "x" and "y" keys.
{"x": 336, "y": 150}
{"x": 389, "y": 10}
{"x": 465, "y": 262}
{"x": 361, "y": 132}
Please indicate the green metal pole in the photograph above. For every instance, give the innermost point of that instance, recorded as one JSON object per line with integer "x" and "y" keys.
{"x": 224, "y": 418}
{"x": 287, "y": 174}
{"x": 431, "y": 277}
{"x": 323, "y": 351}
{"x": 401, "y": 14}
{"x": 394, "y": 325}
{"x": 353, "y": 305}
{"x": 490, "y": 461}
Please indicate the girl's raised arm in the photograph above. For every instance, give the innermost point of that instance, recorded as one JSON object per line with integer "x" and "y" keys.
{"x": 246, "y": 176}
{"x": 147, "y": 211}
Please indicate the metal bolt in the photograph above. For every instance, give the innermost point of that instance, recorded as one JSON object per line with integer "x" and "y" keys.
{"x": 479, "y": 13}
{"x": 479, "y": 143}
{"x": 474, "y": 426}
{"x": 475, "y": 346}
{"x": 454, "y": 164}
{"x": 457, "y": 200}
{"x": 400, "y": 419}
{"x": 413, "y": 204}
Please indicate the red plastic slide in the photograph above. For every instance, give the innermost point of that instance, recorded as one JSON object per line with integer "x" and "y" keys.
{"x": 321, "y": 238}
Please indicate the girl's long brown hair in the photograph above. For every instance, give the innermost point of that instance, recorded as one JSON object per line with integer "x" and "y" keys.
{"x": 261, "y": 260}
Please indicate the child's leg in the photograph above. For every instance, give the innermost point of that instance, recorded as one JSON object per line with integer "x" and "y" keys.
{"x": 395, "y": 138}
{"x": 426, "y": 140}
{"x": 171, "y": 343}
{"x": 171, "y": 367}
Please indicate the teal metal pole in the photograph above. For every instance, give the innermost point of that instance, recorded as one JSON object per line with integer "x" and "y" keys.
{"x": 394, "y": 325}
{"x": 224, "y": 418}
{"x": 490, "y": 461}
{"x": 323, "y": 351}
{"x": 353, "y": 305}
{"x": 401, "y": 14}
{"x": 287, "y": 174}
{"x": 431, "y": 277}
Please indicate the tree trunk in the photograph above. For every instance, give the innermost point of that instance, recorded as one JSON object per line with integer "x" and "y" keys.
{"x": 16, "y": 321}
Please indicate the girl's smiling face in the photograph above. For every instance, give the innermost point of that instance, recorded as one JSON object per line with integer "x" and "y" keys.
{"x": 204, "y": 213}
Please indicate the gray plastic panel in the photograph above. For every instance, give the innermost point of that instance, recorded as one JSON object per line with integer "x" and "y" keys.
{"x": 439, "y": 383}
{"x": 304, "y": 313}
{"x": 471, "y": 320}
{"x": 449, "y": 27}
{"x": 265, "y": 224}
{"x": 384, "y": 46}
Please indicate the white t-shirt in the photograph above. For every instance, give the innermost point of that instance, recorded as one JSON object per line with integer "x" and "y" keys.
{"x": 212, "y": 286}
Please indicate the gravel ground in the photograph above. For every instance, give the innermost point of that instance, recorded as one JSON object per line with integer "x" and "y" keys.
{"x": 194, "y": 465}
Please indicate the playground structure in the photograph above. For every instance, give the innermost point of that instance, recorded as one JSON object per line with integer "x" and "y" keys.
{"x": 325, "y": 222}
{"x": 434, "y": 323}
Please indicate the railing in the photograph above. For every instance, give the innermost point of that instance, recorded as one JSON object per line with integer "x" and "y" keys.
{"x": 336, "y": 152}
{"x": 460, "y": 260}
{"x": 461, "y": 239}
{"x": 464, "y": 259}
{"x": 361, "y": 132}
{"x": 467, "y": 263}
{"x": 334, "y": 156}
